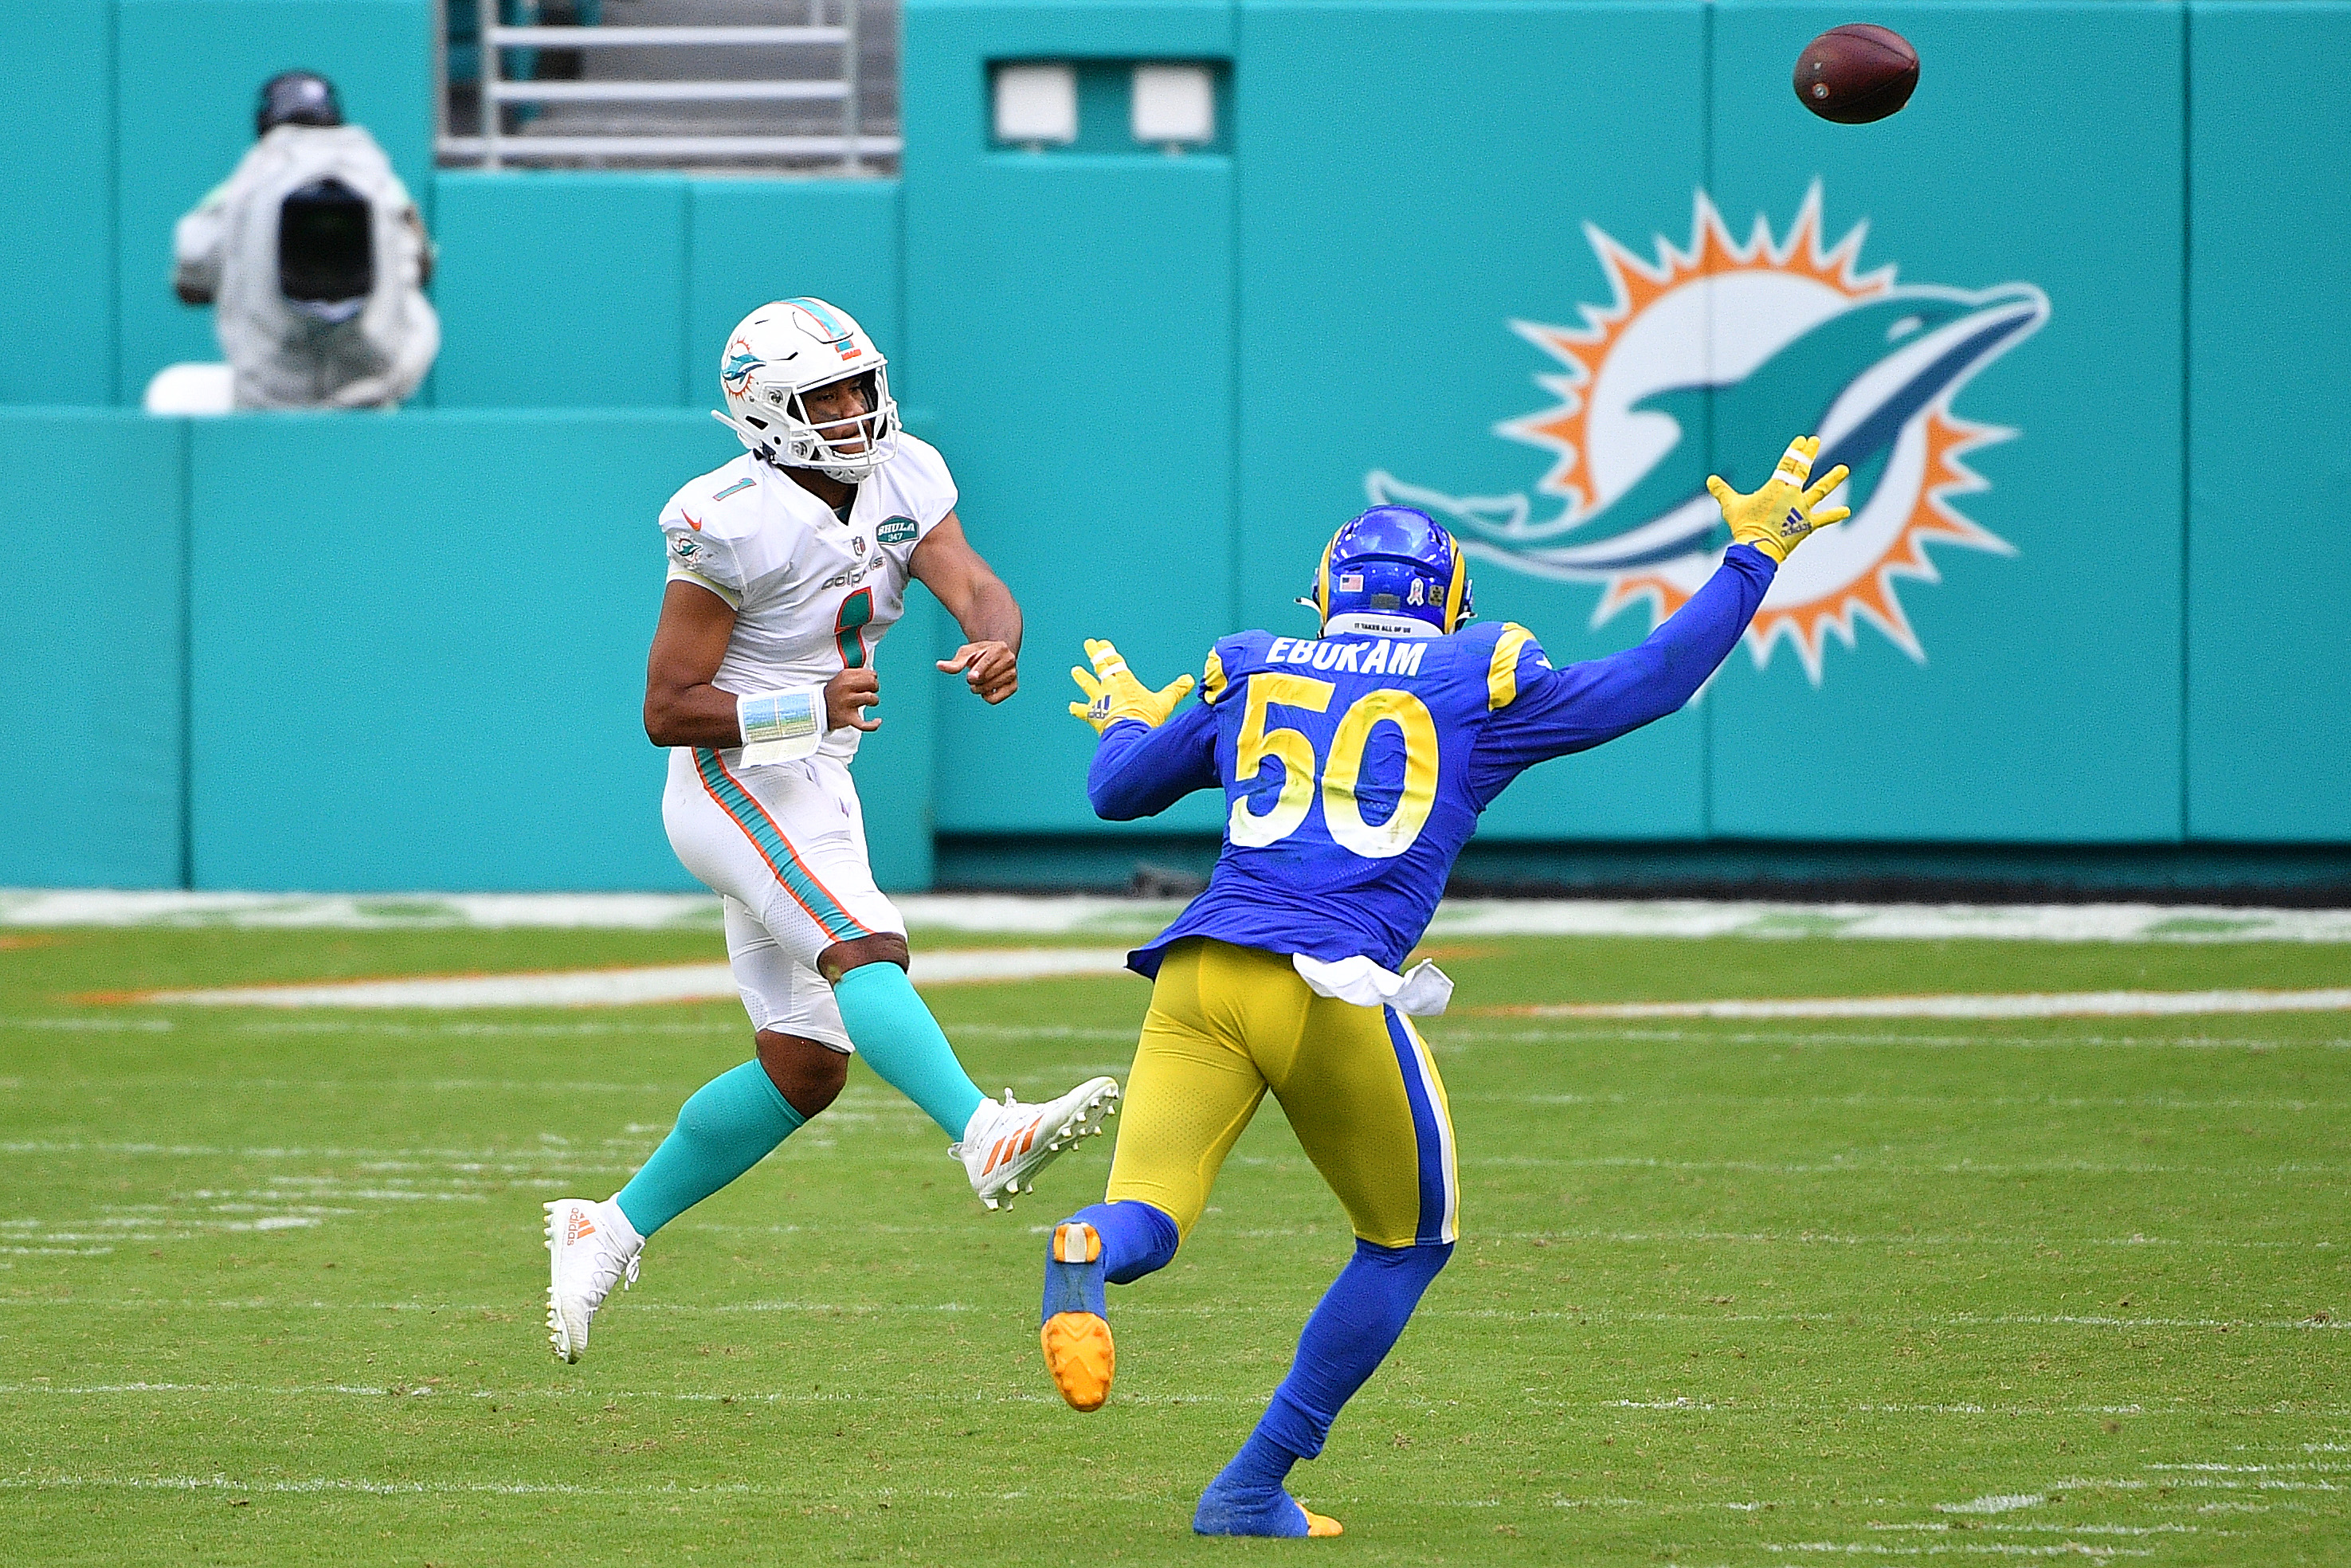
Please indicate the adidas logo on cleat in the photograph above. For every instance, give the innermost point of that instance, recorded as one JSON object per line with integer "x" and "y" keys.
{"x": 1007, "y": 1144}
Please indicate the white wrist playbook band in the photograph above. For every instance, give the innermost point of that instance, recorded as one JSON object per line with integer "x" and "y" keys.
{"x": 780, "y": 727}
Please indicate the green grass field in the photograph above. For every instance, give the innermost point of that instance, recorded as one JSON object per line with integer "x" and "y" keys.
{"x": 1728, "y": 1293}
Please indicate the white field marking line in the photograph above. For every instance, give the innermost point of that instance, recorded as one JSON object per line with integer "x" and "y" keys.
{"x": 1754, "y": 1237}
{"x": 1442, "y": 1036}
{"x": 1227, "y": 1309}
{"x": 566, "y": 1488}
{"x": 2059, "y": 1529}
{"x": 518, "y": 1396}
{"x": 1829, "y": 1102}
{"x": 68, "y": 1251}
{"x": 553, "y": 1153}
{"x": 380, "y": 1489}
{"x": 1776, "y": 1407}
{"x": 624, "y": 988}
{"x": 2255, "y": 1469}
{"x": 462, "y": 1027}
{"x": 1447, "y": 1037}
{"x": 2039, "y": 1005}
{"x": 2005, "y": 1503}
{"x": 1049, "y": 914}
{"x": 223, "y": 1086}
{"x": 1886, "y": 1168}
{"x": 2035, "y": 923}
{"x": 1987, "y": 1548}
{"x": 2217, "y": 1483}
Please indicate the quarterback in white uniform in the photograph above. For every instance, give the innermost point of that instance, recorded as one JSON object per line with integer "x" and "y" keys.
{"x": 786, "y": 567}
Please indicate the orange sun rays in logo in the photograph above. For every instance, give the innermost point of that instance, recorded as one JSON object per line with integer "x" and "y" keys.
{"x": 1638, "y": 284}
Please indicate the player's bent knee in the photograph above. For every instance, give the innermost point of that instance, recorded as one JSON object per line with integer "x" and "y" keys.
{"x": 1423, "y": 1259}
{"x": 809, "y": 1075}
{"x": 883, "y": 947}
{"x": 1151, "y": 1241}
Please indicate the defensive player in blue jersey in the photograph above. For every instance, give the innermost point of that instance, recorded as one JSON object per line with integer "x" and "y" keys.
{"x": 1354, "y": 764}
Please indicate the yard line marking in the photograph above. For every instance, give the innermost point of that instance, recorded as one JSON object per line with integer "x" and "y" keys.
{"x": 1773, "y": 1410}
{"x": 2218, "y": 1482}
{"x": 1755, "y": 1238}
{"x": 2052, "y": 1005}
{"x": 2008, "y": 1502}
{"x": 1860, "y": 1101}
{"x": 621, "y": 987}
{"x": 1888, "y": 1167}
{"x": 558, "y": 1157}
{"x": 209, "y": 1390}
{"x": 1061, "y": 915}
{"x": 1989, "y": 1548}
{"x": 2256, "y": 1469}
{"x": 1449, "y": 1036}
{"x": 1288, "y": 1311}
{"x": 221, "y": 1086}
{"x": 380, "y": 1489}
{"x": 2060, "y": 1529}
{"x": 1781, "y": 1406}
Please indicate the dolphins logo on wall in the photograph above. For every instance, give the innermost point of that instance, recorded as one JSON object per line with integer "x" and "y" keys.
{"x": 1768, "y": 338}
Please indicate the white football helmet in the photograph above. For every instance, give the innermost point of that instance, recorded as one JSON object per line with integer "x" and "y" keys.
{"x": 785, "y": 350}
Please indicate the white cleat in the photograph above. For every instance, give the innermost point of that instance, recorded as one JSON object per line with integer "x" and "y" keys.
{"x": 1006, "y": 1146}
{"x": 591, "y": 1247}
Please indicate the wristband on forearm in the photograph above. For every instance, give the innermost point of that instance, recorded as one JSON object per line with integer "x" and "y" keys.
{"x": 780, "y": 727}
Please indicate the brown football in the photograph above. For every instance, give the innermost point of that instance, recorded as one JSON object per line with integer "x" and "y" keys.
{"x": 1857, "y": 73}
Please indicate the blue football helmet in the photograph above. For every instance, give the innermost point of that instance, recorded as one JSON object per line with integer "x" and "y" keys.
{"x": 1392, "y": 570}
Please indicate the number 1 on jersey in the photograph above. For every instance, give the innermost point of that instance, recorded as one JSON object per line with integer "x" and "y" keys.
{"x": 848, "y": 628}
{"x": 1341, "y": 814}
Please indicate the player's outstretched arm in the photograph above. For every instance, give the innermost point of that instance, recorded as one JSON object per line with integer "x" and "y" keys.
{"x": 1586, "y": 705}
{"x": 989, "y": 660}
{"x": 1147, "y": 760}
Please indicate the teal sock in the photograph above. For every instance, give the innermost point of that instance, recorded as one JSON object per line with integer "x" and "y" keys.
{"x": 896, "y": 1035}
{"x": 724, "y": 1127}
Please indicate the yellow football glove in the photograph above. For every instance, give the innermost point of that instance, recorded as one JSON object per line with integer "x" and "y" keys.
{"x": 1114, "y": 693}
{"x": 1778, "y": 517}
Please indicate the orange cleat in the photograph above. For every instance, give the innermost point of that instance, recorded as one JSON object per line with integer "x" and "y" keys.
{"x": 1075, "y": 1335}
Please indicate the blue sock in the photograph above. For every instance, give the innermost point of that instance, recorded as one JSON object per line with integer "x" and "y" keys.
{"x": 1349, "y": 1334}
{"x": 1137, "y": 1239}
{"x": 896, "y": 1035}
{"x": 726, "y": 1127}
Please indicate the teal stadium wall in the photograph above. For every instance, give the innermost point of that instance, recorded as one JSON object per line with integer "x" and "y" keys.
{"x": 93, "y": 648}
{"x": 2269, "y": 426}
{"x": 400, "y": 652}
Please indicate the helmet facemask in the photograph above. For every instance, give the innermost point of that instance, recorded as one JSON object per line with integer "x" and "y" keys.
{"x": 849, "y": 449}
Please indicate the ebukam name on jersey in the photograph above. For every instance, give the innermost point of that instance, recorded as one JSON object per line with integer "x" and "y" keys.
{"x": 1388, "y": 656}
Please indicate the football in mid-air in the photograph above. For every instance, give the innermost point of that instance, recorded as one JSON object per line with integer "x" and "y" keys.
{"x": 1857, "y": 73}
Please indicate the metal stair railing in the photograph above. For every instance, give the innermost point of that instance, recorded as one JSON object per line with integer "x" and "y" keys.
{"x": 495, "y": 148}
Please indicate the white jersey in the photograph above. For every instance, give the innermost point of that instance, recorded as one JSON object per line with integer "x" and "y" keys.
{"x": 812, "y": 595}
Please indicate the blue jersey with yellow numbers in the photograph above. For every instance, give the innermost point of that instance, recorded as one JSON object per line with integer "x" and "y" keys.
{"x": 1355, "y": 766}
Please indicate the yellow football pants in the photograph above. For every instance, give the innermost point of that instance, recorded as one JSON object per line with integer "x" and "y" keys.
{"x": 1358, "y": 1084}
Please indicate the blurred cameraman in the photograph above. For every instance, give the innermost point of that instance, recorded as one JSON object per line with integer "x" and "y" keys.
{"x": 316, "y": 258}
